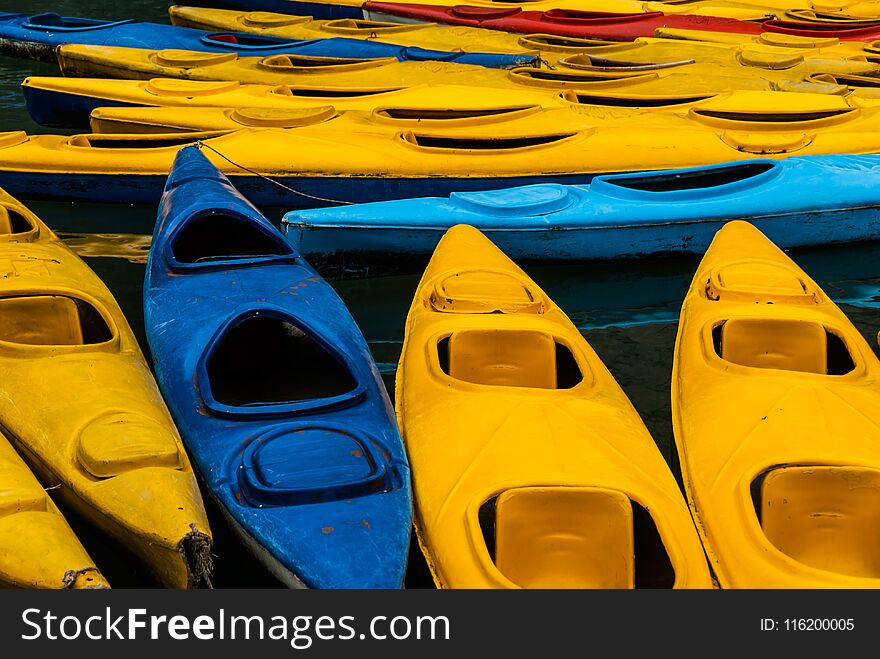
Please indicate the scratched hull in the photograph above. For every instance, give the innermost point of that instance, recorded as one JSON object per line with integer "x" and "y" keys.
{"x": 302, "y": 451}
{"x": 791, "y": 201}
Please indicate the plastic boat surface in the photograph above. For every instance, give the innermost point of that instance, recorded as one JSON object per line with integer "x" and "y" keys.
{"x": 274, "y": 390}
{"x": 776, "y": 415}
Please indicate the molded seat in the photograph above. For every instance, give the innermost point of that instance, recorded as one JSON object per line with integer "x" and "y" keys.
{"x": 305, "y": 464}
{"x": 507, "y": 358}
{"x": 40, "y": 320}
{"x": 565, "y": 537}
{"x": 789, "y": 345}
{"x": 825, "y": 517}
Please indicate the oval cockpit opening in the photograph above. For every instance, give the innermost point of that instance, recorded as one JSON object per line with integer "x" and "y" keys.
{"x": 509, "y": 358}
{"x": 540, "y": 537}
{"x": 267, "y": 360}
{"x": 12, "y": 222}
{"x": 51, "y": 320}
{"x": 787, "y": 345}
{"x": 826, "y": 517}
{"x": 449, "y": 114}
{"x": 693, "y": 180}
{"x": 220, "y": 236}
{"x": 483, "y": 143}
{"x": 633, "y": 101}
{"x": 313, "y": 92}
{"x": 772, "y": 117}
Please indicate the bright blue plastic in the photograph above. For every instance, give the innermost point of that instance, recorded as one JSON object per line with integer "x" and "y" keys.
{"x": 321, "y": 484}
{"x": 799, "y": 201}
{"x": 37, "y": 37}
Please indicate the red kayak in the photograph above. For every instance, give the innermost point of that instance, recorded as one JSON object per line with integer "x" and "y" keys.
{"x": 857, "y": 31}
{"x": 559, "y": 22}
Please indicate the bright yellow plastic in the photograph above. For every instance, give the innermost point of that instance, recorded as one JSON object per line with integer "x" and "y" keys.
{"x": 172, "y": 92}
{"x": 79, "y": 402}
{"x": 778, "y": 433}
{"x": 725, "y": 69}
{"x": 423, "y": 35}
{"x": 498, "y": 395}
{"x": 37, "y": 547}
{"x": 565, "y": 537}
{"x": 517, "y": 141}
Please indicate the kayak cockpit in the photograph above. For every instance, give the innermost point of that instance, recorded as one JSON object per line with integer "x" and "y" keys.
{"x": 714, "y": 179}
{"x": 245, "y": 41}
{"x": 509, "y": 358}
{"x": 574, "y": 537}
{"x": 52, "y": 320}
{"x": 14, "y": 226}
{"x": 54, "y": 22}
{"x": 825, "y": 517}
{"x": 782, "y": 344}
{"x": 222, "y": 237}
{"x": 267, "y": 362}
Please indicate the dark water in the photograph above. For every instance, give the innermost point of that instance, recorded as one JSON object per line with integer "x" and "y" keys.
{"x": 627, "y": 310}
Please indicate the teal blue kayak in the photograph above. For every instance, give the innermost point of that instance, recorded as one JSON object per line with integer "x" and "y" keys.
{"x": 799, "y": 201}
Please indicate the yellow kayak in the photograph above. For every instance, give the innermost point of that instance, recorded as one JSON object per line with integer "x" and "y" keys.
{"x": 78, "y": 401}
{"x": 760, "y": 72}
{"x": 37, "y": 547}
{"x": 531, "y": 469}
{"x": 776, "y": 414}
{"x": 357, "y": 156}
{"x": 772, "y": 113}
{"x": 423, "y": 35}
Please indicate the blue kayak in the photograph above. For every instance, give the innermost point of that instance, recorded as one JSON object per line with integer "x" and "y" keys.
{"x": 274, "y": 390}
{"x": 296, "y": 7}
{"x": 37, "y": 36}
{"x": 799, "y": 201}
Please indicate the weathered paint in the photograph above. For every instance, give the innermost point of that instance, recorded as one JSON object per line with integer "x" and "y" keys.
{"x": 285, "y": 523}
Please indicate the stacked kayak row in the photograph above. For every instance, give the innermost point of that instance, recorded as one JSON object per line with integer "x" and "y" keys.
{"x": 626, "y": 27}
{"x": 353, "y": 156}
{"x": 39, "y": 35}
{"x": 705, "y": 67}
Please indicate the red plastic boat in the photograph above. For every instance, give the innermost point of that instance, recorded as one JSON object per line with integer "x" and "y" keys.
{"x": 559, "y": 22}
{"x": 857, "y": 31}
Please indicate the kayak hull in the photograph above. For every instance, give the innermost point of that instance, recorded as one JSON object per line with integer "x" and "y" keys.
{"x": 306, "y": 458}
{"x": 775, "y": 416}
{"x": 471, "y": 430}
{"x": 561, "y": 22}
{"x": 785, "y": 199}
{"x": 81, "y": 407}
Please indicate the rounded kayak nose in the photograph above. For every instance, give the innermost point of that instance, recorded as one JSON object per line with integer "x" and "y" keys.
{"x": 157, "y": 512}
